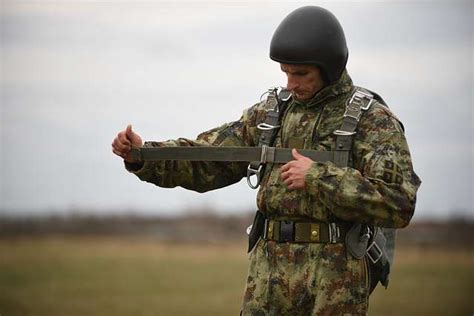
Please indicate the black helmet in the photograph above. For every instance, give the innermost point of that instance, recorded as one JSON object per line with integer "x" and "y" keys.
{"x": 311, "y": 35}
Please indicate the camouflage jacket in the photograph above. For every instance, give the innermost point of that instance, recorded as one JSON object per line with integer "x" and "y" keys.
{"x": 379, "y": 187}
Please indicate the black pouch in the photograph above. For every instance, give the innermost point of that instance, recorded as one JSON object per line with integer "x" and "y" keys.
{"x": 369, "y": 242}
{"x": 256, "y": 230}
{"x": 357, "y": 241}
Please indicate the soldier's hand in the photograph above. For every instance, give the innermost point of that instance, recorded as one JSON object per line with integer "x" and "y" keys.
{"x": 293, "y": 173}
{"x": 124, "y": 142}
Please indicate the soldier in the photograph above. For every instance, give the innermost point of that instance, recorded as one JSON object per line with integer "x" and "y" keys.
{"x": 303, "y": 261}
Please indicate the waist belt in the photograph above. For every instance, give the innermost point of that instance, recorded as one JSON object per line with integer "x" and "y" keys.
{"x": 304, "y": 232}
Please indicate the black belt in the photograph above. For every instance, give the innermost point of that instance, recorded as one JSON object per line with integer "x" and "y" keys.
{"x": 304, "y": 232}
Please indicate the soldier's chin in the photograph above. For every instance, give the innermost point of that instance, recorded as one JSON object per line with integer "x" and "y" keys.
{"x": 299, "y": 97}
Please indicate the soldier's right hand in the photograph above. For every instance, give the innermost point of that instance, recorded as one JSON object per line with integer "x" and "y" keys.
{"x": 124, "y": 142}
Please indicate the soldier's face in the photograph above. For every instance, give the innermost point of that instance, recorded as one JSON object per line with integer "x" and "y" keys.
{"x": 303, "y": 80}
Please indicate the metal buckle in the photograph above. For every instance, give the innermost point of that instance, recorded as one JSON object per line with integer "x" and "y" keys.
{"x": 378, "y": 252}
{"x": 358, "y": 96}
{"x": 281, "y": 96}
{"x": 366, "y": 107}
{"x": 248, "y": 230}
{"x": 343, "y": 133}
{"x": 334, "y": 233}
{"x": 250, "y": 172}
{"x": 269, "y": 91}
{"x": 267, "y": 127}
{"x": 366, "y": 236}
{"x": 265, "y": 229}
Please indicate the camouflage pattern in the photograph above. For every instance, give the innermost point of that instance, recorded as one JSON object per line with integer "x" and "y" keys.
{"x": 305, "y": 279}
{"x": 379, "y": 188}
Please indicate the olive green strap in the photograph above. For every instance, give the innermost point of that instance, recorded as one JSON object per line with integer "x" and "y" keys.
{"x": 231, "y": 154}
{"x": 360, "y": 101}
{"x": 277, "y": 102}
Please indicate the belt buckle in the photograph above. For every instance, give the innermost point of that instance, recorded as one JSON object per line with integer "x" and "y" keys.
{"x": 287, "y": 229}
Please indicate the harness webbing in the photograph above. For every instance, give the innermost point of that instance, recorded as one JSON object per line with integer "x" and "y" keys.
{"x": 360, "y": 101}
{"x": 262, "y": 154}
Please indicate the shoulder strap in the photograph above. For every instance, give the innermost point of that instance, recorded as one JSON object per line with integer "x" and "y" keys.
{"x": 277, "y": 101}
{"x": 361, "y": 100}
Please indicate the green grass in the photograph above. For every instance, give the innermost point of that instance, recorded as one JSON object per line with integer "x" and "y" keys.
{"x": 107, "y": 276}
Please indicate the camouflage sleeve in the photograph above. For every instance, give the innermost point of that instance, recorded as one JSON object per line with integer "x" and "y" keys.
{"x": 382, "y": 187}
{"x": 202, "y": 176}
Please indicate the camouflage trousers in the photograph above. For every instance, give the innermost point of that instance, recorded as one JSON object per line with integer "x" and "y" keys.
{"x": 304, "y": 279}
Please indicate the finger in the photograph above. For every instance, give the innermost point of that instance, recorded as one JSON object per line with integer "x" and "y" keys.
{"x": 129, "y": 131}
{"x": 117, "y": 150}
{"x": 117, "y": 144}
{"x": 292, "y": 186}
{"x": 288, "y": 180}
{"x": 296, "y": 185}
{"x": 123, "y": 138}
{"x": 296, "y": 155}
{"x": 287, "y": 166}
{"x": 285, "y": 175}
{"x": 120, "y": 146}
{"x": 284, "y": 168}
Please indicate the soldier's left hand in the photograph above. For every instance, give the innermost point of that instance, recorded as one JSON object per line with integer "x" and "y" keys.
{"x": 293, "y": 173}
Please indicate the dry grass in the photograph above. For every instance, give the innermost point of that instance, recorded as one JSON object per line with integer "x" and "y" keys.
{"x": 114, "y": 276}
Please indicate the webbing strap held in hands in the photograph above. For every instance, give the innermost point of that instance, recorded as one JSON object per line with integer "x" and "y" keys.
{"x": 262, "y": 154}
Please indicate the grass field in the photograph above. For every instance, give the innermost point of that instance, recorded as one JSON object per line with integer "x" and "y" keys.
{"x": 115, "y": 276}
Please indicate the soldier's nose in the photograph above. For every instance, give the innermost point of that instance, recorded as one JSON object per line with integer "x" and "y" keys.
{"x": 291, "y": 84}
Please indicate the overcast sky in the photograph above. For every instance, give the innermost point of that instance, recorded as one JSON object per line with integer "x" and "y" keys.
{"x": 74, "y": 73}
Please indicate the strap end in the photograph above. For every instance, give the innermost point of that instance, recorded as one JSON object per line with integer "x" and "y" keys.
{"x": 136, "y": 154}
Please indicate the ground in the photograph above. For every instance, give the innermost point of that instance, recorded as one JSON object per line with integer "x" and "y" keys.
{"x": 143, "y": 276}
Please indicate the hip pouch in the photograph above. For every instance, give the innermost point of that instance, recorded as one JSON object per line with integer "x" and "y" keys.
{"x": 368, "y": 241}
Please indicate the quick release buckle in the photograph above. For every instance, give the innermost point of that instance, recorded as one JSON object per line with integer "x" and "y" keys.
{"x": 266, "y": 155}
{"x": 254, "y": 172}
{"x": 334, "y": 233}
